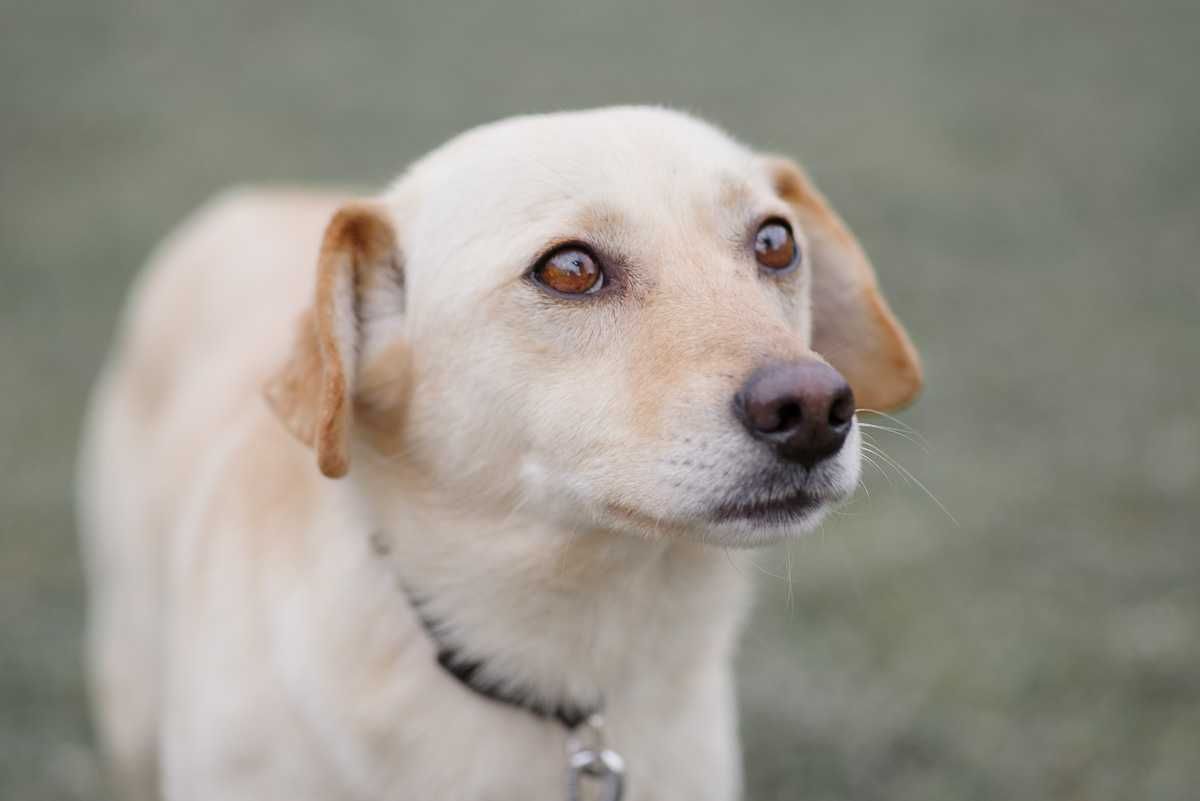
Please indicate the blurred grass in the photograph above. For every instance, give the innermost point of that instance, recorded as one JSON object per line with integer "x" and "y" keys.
{"x": 1026, "y": 177}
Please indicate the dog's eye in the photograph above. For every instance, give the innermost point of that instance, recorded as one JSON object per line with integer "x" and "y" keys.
{"x": 774, "y": 246}
{"x": 569, "y": 271}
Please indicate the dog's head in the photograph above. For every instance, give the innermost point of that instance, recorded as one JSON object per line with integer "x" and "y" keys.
{"x": 619, "y": 318}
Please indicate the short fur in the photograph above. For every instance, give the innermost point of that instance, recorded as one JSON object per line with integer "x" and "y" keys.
{"x": 542, "y": 470}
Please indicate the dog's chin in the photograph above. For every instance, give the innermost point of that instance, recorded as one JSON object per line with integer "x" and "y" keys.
{"x": 740, "y": 524}
{"x": 767, "y": 523}
{"x": 752, "y": 522}
{"x": 757, "y": 512}
{"x": 764, "y": 513}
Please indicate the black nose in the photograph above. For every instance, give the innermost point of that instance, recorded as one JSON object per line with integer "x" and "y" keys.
{"x": 801, "y": 409}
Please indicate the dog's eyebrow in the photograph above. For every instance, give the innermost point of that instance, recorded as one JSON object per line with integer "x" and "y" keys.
{"x": 734, "y": 193}
{"x": 600, "y": 220}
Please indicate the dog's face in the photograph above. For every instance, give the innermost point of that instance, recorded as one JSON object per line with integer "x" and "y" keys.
{"x": 619, "y": 318}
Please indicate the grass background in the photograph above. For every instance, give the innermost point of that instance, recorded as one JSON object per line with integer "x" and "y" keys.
{"x": 1026, "y": 176}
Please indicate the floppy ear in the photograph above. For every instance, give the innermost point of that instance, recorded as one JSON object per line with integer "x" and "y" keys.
{"x": 313, "y": 394}
{"x": 853, "y": 328}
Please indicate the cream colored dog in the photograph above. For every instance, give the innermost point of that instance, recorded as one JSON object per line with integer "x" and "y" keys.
{"x": 512, "y": 404}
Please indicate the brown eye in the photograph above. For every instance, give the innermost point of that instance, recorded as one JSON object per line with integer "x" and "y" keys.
{"x": 570, "y": 271}
{"x": 774, "y": 246}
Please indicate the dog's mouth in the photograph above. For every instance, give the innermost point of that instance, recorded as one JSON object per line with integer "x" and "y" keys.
{"x": 781, "y": 509}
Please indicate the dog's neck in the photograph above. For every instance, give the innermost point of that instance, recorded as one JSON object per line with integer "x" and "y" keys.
{"x": 564, "y": 618}
{"x": 472, "y": 672}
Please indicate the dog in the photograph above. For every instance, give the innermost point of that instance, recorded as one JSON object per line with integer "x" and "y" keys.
{"x": 421, "y": 495}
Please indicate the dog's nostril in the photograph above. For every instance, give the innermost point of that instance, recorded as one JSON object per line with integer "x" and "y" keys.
{"x": 841, "y": 411}
{"x": 787, "y": 416}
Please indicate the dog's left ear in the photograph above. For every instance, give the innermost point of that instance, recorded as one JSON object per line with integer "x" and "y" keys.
{"x": 853, "y": 328}
{"x": 358, "y": 273}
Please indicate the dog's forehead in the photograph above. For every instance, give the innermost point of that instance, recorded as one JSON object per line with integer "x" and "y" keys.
{"x": 479, "y": 211}
{"x": 640, "y": 161}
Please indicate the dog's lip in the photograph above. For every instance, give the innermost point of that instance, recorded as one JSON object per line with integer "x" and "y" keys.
{"x": 779, "y": 509}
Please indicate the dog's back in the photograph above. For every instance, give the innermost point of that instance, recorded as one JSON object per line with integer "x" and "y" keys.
{"x": 214, "y": 307}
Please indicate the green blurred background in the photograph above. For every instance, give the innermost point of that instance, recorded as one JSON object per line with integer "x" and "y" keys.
{"x": 1026, "y": 176}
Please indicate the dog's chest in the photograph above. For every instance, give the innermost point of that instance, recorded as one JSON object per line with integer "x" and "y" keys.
{"x": 400, "y": 726}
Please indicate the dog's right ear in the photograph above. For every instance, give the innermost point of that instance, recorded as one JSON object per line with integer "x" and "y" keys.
{"x": 853, "y": 327}
{"x": 313, "y": 394}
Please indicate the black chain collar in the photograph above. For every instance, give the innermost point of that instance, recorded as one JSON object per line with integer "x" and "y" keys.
{"x": 469, "y": 672}
{"x": 588, "y": 760}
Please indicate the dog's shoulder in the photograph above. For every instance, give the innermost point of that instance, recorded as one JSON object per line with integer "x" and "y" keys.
{"x": 209, "y": 320}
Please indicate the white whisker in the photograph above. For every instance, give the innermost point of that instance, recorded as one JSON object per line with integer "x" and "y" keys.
{"x": 732, "y": 563}
{"x": 765, "y": 571}
{"x": 919, "y": 443}
{"x": 876, "y": 450}
{"x": 791, "y": 596}
{"x": 866, "y": 456}
{"x": 896, "y": 421}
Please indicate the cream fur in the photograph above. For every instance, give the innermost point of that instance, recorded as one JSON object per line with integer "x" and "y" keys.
{"x": 542, "y": 470}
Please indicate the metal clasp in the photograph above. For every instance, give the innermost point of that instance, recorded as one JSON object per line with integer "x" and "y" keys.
{"x": 588, "y": 761}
